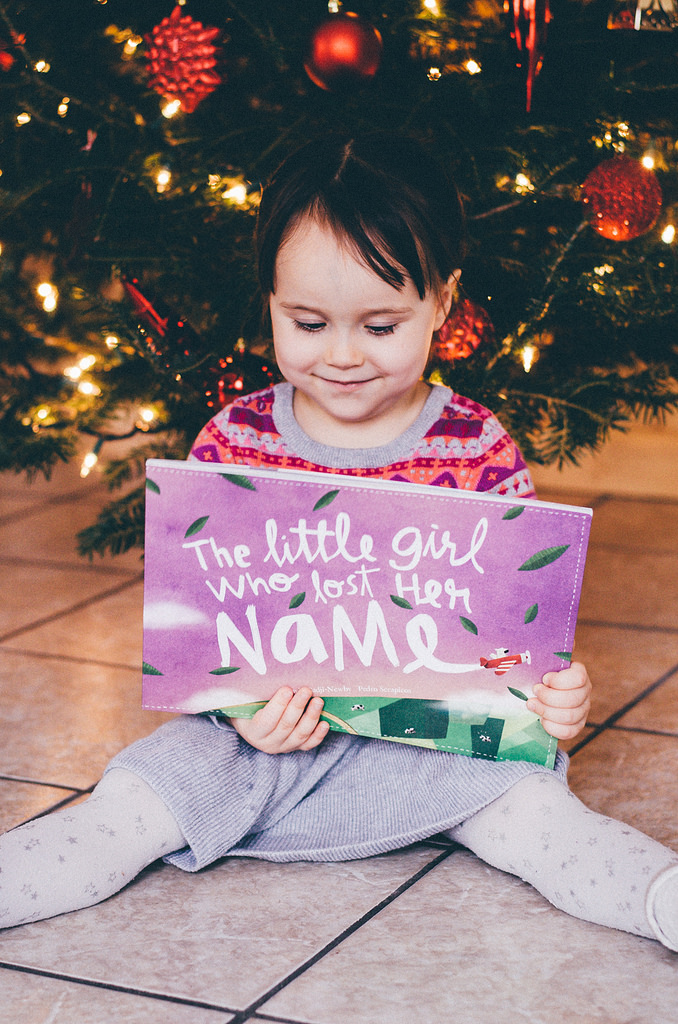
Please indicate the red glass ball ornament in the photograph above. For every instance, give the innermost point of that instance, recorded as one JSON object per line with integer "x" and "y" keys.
{"x": 623, "y": 198}
{"x": 344, "y": 50}
{"x": 467, "y": 327}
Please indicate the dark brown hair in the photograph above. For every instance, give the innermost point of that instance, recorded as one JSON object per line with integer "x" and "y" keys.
{"x": 383, "y": 195}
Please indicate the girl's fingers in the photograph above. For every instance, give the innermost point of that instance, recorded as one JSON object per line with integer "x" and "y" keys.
{"x": 270, "y": 716}
{"x": 301, "y": 703}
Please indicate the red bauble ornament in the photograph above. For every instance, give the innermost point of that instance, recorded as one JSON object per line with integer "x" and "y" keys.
{"x": 467, "y": 326}
{"x": 182, "y": 57}
{"x": 344, "y": 50}
{"x": 624, "y": 198}
{"x": 530, "y": 25}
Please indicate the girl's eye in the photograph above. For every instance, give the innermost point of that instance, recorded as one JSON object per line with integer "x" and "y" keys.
{"x": 311, "y": 327}
{"x": 381, "y": 329}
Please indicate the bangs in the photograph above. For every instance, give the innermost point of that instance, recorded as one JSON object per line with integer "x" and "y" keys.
{"x": 382, "y": 197}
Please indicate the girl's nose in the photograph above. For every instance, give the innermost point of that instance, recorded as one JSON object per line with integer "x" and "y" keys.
{"x": 342, "y": 351}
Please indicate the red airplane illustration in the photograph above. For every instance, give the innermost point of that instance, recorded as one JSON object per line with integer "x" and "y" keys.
{"x": 501, "y": 661}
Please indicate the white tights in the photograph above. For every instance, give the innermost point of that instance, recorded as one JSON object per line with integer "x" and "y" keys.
{"x": 588, "y": 865}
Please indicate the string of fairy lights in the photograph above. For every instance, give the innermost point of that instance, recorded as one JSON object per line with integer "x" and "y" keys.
{"x": 233, "y": 189}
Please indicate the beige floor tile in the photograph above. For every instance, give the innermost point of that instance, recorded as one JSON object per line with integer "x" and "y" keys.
{"x": 64, "y": 479}
{"x": 52, "y": 530}
{"x": 61, "y": 722}
{"x": 634, "y": 778}
{"x": 636, "y": 525}
{"x": 20, "y": 801}
{"x": 659, "y": 710}
{"x": 622, "y": 663}
{"x": 469, "y": 943}
{"x": 566, "y": 497}
{"x": 34, "y": 592}
{"x": 31, "y": 999}
{"x": 228, "y": 933}
{"x": 640, "y": 463}
{"x": 107, "y": 630}
{"x": 642, "y": 589}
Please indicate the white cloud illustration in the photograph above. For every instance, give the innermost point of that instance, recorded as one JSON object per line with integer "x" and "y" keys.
{"x": 171, "y": 614}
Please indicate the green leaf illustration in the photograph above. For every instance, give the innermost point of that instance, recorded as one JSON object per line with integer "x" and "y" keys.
{"x": 298, "y": 599}
{"x": 401, "y": 602}
{"x": 148, "y": 670}
{"x": 224, "y": 671}
{"x": 518, "y": 693}
{"x": 565, "y": 655}
{"x": 152, "y": 486}
{"x": 531, "y": 613}
{"x": 325, "y": 500}
{"x": 514, "y": 512}
{"x": 542, "y": 558}
{"x": 467, "y": 624}
{"x": 239, "y": 481}
{"x": 196, "y": 527}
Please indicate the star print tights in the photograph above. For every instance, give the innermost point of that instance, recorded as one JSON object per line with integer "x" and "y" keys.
{"x": 588, "y": 865}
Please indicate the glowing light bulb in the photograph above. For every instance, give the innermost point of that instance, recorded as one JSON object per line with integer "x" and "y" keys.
{"x": 333, "y": 6}
{"x": 523, "y": 183}
{"x": 130, "y": 47}
{"x": 42, "y": 66}
{"x": 171, "y": 108}
{"x": 668, "y": 234}
{"x": 434, "y": 74}
{"x": 432, "y": 7}
{"x": 73, "y": 373}
{"x": 529, "y": 355}
{"x": 88, "y": 463}
{"x": 648, "y": 161}
{"x": 87, "y": 362}
{"x": 147, "y": 415}
{"x": 473, "y": 67}
{"x": 112, "y": 341}
{"x": 87, "y": 387}
{"x": 23, "y": 118}
{"x": 237, "y": 194}
{"x": 62, "y": 109}
{"x": 163, "y": 179}
{"x": 42, "y": 413}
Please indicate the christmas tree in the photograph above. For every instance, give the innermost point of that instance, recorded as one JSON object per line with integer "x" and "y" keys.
{"x": 136, "y": 138}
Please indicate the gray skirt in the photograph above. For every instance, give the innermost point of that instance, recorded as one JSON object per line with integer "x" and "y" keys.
{"x": 346, "y": 799}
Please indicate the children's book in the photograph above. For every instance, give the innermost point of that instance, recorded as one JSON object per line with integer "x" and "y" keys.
{"x": 420, "y": 614}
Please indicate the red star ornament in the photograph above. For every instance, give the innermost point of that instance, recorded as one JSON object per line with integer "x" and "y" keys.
{"x": 181, "y": 59}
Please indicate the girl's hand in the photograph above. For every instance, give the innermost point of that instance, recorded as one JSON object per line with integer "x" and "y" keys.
{"x": 563, "y": 700}
{"x": 290, "y": 721}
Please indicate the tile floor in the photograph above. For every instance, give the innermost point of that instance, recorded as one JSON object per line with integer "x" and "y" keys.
{"x": 421, "y": 936}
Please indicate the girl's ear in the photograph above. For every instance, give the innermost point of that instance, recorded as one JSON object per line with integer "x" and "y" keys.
{"x": 446, "y": 296}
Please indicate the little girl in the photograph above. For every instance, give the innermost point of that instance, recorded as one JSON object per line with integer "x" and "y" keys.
{"x": 359, "y": 248}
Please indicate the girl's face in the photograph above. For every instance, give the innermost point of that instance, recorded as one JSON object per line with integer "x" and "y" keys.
{"x": 353, "y": 346}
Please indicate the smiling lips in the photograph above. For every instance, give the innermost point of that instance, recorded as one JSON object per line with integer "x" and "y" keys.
{"x": 348, "y": 384}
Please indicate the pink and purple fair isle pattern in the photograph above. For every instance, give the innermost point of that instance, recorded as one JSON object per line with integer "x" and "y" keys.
{"x": 466, "y": 448}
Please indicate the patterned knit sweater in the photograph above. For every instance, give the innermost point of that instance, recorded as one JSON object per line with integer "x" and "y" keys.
{"x": 454, "y": 442}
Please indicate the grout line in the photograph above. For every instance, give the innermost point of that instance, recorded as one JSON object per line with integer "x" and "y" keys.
{"x": 247, "y": 1014}
{"x": 70, "y": 659}
{"x": 634, "y": 627}
{"x": 279, "y": 1020}
{"x": 78, "y": 606}
{"x": 37, "y": 782}
{"x": 616, "y": 715}
{"x": 645, "y": 732}
{"x": 65, "y": 563}
{"x": 111, "y": 987}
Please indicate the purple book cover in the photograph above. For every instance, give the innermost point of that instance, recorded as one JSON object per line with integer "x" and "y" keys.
{"x": 420, "y": 614}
